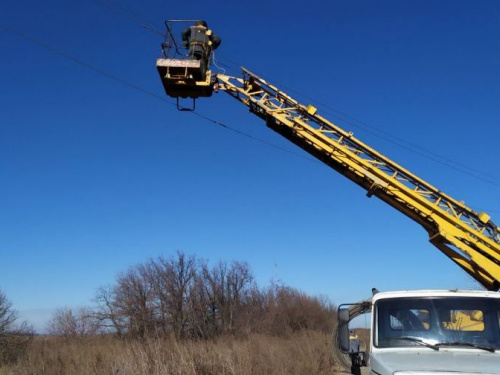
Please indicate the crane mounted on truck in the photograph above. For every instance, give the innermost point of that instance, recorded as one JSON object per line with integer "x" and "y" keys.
{"x": 412, "y": 332}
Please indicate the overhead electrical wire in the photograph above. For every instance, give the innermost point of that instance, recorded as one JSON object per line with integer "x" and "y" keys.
{"x": 143, "y": 90}
{"x": 137, "y": 20}
{"x": 400, "y": 142}
{"x": 343, "y": 117}
{"x": 419, "y": 150}
{"x": 129, "y": 15}
{"x": 82, "y": 63}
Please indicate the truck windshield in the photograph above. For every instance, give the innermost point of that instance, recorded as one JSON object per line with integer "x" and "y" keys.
{"x": 438, "y": 322}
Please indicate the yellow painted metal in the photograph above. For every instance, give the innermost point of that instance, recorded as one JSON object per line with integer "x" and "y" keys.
{"x": 470, "y": 239}
{"x": 484, "y": 217}
{"x": 311, "y": 110}
{"x": 468, "y": 320}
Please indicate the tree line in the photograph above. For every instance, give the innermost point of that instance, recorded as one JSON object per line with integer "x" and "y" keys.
{"x": 182, "y": 297}
{"x": 185, "y": 297}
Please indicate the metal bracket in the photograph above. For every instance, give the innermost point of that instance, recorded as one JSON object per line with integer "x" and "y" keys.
{"x": 186, "y": 109}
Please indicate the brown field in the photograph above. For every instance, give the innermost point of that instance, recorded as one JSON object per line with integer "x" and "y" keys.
{"x": 302, "y": 353}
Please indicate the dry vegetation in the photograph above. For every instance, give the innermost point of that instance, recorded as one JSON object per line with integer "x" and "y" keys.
{"x": 301, "y": 353}
{"x": 185, "y": 297}
{"x": 14, "y": 335}
{"x": 181, "y": 316}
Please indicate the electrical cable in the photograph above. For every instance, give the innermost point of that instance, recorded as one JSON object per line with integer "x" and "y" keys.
{"x": 430, "y": 155}
{"x": 144, "y": 91}
{"x": 136, "y": 87}
{"x": 127, "y": 14}
{"x": 214, "y": 61}
{"x": 473, "y": 172}
{"x": 135, "y": 18}
{"x": 254, "y": 138}
{"x": 83, "y": 63}
{"x": 460, "y": 167}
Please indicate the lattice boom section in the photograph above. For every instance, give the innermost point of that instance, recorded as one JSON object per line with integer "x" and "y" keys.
{"x": 271, "y": 104}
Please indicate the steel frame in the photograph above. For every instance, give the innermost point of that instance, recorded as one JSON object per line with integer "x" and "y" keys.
{"x": 470, "y": 239}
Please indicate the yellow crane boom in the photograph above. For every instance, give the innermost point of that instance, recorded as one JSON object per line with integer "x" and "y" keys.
{"x": 468, "y": 238}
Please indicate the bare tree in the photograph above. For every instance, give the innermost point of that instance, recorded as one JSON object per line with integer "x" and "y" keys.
{"x": 288, "y": 310}
{"x": 107, "y": 311}
{"x": 199, "y": 310}
{"x": 172, "y": 280}
{"x": 214, "y": 281}
{"x": 8, "y": 315}
{"x": 70, "y": 324}
{"x": 14, "y": 335}
{"x": 252, "y": 314}
{"x": 239, "y": 279}
{"x": 135, "y": 299}
{"x": 225, "y": 288}
{"x": 187, "y": 297}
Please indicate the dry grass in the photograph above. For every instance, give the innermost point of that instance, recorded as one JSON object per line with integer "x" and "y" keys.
{"x": 303, "y": 353}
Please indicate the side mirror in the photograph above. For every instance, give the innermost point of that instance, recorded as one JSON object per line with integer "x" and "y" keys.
{"x": 344, "y": 315}
{"x": 343, "y": 329}
{"x": 343, "y": 339}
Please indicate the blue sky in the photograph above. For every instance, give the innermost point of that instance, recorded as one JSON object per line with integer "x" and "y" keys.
{"x": 97, "y": 176}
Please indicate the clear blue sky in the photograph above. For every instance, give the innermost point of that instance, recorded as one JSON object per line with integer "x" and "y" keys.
{"x": 97, "y": 176}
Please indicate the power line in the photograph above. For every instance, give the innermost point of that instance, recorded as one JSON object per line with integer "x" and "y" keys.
{"x": 134, "y": 17}
{"x": 416, "y": 149}
{"x": 82, "y": 63}
{"x": 127, "y": 14}
{"x": 162, "y": 98}
{"x": 144, "y": 91}
{"x": 254, "y": 138}
{"x": 351, "y": 120}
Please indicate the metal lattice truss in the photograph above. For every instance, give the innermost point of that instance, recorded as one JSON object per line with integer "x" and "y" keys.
{"x": 470, "y": 239}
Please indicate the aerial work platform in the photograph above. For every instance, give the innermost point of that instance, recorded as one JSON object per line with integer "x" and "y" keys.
{"x": 184, "y": 72}
{"x": 184, "y": 78}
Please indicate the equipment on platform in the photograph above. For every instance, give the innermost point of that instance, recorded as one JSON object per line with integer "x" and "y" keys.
{"x": 182, "y": 75}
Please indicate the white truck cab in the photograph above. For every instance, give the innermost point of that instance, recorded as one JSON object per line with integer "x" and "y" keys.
{"x": 428, "y": 332}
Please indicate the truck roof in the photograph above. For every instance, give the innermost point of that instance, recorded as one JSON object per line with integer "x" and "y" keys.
{"x": 435, "y": 293}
